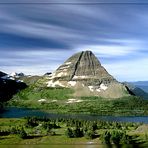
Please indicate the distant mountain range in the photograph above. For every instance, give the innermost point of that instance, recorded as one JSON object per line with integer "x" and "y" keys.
{"x": 139, "y": 88}
{"x": 141, "y": 84}
{"x": 11, "y": 76}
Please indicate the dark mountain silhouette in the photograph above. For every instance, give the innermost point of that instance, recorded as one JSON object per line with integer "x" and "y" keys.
{"x": 9, "y": 87}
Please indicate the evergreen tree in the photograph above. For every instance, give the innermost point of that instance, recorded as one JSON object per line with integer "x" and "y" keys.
{"x": 94, "y": 126}
{"x": 125, "y": 139}
{"x": 116, "y": 136}
{"x": 22, "y": 133}
{"x": 77, "y": 132}
{"x": 105, "y": 137}
{"x": 89, "y": 134}
{"x": 69, "y": 133}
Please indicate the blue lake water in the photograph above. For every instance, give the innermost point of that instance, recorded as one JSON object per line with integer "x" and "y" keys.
{"x": 23, "y": 112}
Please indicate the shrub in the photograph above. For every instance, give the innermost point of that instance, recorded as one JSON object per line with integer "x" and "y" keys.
{"x": 69, "y": 133}
{"x": 116, "y": 136}
{"x": 22, "y": 133}
{"x": 14, "y": 130}
{"x": 89, "y": 134}
{"x": 105, "y": 137}
{"x": 77, "y": 132}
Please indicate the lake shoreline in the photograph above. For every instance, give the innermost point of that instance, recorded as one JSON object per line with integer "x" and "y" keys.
{"x": 14, "y": 112}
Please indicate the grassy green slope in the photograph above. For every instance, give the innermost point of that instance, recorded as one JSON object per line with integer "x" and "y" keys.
{"x": 57, "y": 100}
{"x": 62, "y": 100}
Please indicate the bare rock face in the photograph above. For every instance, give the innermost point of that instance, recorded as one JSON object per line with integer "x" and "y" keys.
{"x": 84, "y": 73}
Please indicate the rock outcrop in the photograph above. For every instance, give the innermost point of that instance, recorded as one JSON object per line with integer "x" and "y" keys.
{"x": 84, "y": 73}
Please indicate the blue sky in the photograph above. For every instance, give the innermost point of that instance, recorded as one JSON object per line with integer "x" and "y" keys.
{"x": 37, "y": 38}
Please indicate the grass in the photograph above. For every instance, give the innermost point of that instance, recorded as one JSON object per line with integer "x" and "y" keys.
{"x": 60, "y": 138}
{"x": 125, "y": 106}
{"x": 47, "y": 146}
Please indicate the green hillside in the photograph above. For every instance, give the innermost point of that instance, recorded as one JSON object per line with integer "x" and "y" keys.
{"x": 61, "y": 100}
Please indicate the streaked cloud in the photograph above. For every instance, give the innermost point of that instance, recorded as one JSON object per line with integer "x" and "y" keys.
{"x": 37, "y": 38}
{"x": 116, "y": 47}
{"x": 131, "y": 70}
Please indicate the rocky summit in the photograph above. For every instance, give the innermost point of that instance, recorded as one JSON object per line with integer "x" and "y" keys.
{"x": 84, "y": 73}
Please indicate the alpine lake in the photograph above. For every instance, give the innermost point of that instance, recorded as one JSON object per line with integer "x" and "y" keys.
{"x": 18, "y": 113}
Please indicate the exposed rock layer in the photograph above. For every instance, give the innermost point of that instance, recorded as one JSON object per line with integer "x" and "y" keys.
{"x": 87, "y": 76}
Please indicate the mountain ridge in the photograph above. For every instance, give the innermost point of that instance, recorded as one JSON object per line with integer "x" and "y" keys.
{"x": 84, "y": 73}
{"x": 9, "y": 87}
{"x": 138, "y": 90}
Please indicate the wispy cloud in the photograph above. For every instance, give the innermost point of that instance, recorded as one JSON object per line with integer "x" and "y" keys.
{"x": 131, "y": 70}
{"x": 116, "y": 47}
{"x": 37, "y": 38}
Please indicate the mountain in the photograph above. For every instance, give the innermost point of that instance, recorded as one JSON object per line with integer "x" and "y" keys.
{"x": 2, "y": 74}
{"x": 141, "y": 84}
{"x": 84, "y": 73}
{"x": 13, "y": 76}
{"x": 139, "y": 92}
{"x": 9, "y": 87}
{"x": 136, "y": 90}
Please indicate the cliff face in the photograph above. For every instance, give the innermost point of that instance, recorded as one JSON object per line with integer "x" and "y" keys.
{"x": 87, "y": 76}
{"x": 83, "y": 66}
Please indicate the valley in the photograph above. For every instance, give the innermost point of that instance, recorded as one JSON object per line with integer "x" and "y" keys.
{"x": 80, "y": 103}
{"x": 60, "y": 100}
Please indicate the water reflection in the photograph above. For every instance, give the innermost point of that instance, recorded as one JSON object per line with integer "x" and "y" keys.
{"x": 23, "y": 112}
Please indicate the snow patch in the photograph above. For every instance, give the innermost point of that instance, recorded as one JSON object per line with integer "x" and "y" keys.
{"x": 61, "y": 74}
{"x": 58, "y": 83}
{"x": 64, "y": 67}
{"x": 42, "y": 100}
{"x": 98, "y": 90}
{"x": 65, "y": 70}
{"x": 91, "y": 88}
{"x": 54, "y": 84}
{"x": 54, "y": 101}
{"x": 74, "y": 101}
{"x": 50, "y": 84}
{"x": 16, "y": 75}
{"x": 79, "y": 77}
{"x": 102, "y": 86}
{"x": 67, "y": 63}
{"x": 72, "y": 83}
{"x": 11, "y": 78}
{"x": 20, "y": 81}
{"x": 77, "y": 101}
{"x": 13, "y": 74}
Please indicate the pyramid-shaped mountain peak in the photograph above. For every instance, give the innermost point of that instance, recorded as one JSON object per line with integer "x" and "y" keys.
{"x": 83, "y": 65}
{"x": 83, "y": 71}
